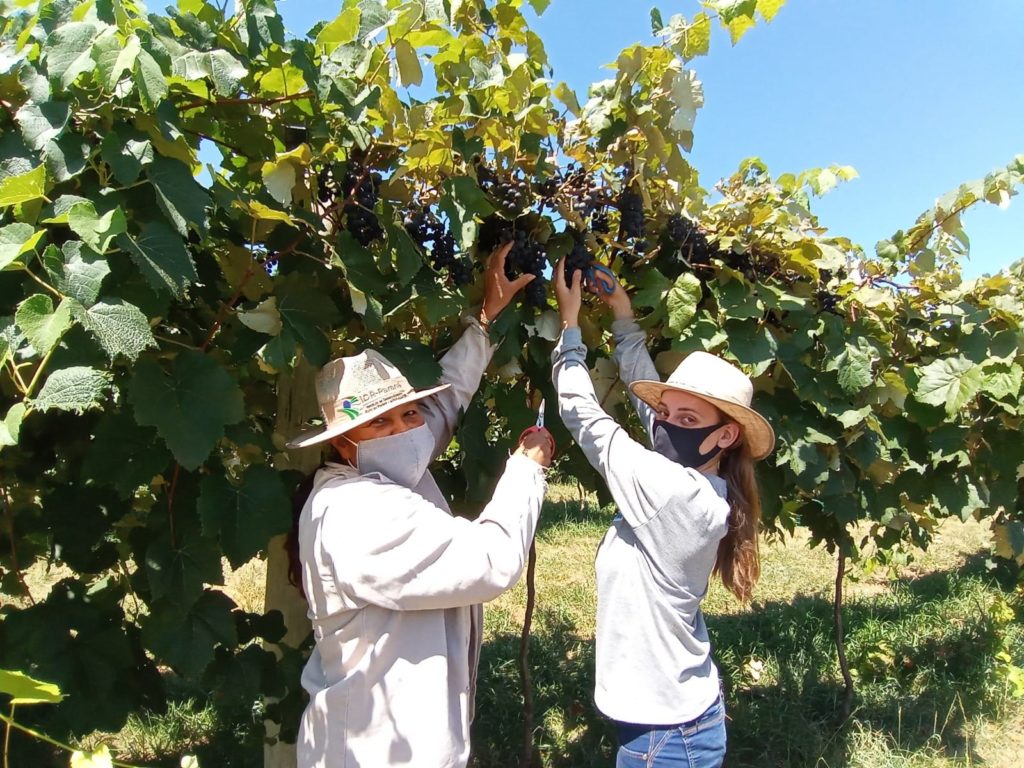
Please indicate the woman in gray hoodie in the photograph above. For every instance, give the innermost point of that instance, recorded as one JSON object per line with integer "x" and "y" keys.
{"x": 688, "y": 507}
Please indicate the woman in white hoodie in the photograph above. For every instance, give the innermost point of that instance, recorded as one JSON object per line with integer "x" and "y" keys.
{"x": 688, "y": 507}
{"x": 395, "y": 582}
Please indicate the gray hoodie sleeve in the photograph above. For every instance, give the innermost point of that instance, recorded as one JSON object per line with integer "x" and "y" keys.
{"x": 461, "y": 367}
{"x": 635, "y": 364}
{"x": 641, "y": 481}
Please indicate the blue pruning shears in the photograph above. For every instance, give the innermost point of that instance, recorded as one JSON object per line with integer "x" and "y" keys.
{"x": 595, "y": 275}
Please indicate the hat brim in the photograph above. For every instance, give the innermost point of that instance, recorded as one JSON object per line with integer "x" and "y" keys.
{"x": 757, "y": 432}
{"x": 321, "y": 434}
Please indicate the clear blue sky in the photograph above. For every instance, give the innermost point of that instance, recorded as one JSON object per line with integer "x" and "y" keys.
{"x": 918, "y": 95}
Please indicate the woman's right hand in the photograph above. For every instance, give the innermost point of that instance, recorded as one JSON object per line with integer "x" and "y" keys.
{"x": 538, "y": 445}
{"x": 603, "y": 284}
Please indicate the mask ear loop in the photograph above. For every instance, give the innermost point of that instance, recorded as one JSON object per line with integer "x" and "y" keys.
{"x": 354, "y": 445}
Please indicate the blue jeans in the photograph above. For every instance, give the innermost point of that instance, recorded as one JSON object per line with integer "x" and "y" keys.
{"x": 699, "y": 743}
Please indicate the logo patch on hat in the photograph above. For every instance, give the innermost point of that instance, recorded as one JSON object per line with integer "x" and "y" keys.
{"x": 347, "y": 407}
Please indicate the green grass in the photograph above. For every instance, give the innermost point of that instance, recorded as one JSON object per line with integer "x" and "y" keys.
{"x": 922, "y": 646}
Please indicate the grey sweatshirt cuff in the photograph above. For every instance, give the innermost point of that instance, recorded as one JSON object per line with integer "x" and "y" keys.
{"x": 570, "y": 342}
{"x": 624, "y": 327}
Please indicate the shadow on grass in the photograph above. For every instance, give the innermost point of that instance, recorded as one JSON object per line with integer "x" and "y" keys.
{"x": 922, "y": 652}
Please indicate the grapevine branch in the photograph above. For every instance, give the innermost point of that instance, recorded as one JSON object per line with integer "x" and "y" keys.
{"x": 526, "y": 757}
{"x": 11, "y": 723}
{"x": 264, "y": 102}
{"x": 837, "y": 615}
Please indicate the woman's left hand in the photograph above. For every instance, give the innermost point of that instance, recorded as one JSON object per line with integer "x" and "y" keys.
{"x": 498, "y": 289}
{"x": 570, "y": 297}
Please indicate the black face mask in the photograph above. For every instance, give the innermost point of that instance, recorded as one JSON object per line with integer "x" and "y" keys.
{"x": 682, "y": 444}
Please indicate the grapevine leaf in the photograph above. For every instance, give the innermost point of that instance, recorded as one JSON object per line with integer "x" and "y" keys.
{"x": 265, "y": 318}
{"x": 688, "y": 97}
{"x": 76, "y": 271}
{"x": 222, "y": 69}
{"x": 42, "y": 324}
{"x": 752, "y": 345}
{"x": 10, "y": 427}
{"x": 951, "y": 382}
{"x": 23, "y": 187}
{"x": 76, "y": 389}
{"x": 96, "y": 231}
{"x": 177, "y": 571}
{"x": 416, "y": 361}
{"x": 126, "y": 152}
{"x": 463, "y": 200}
{"x": 539, "y": 6}
{"x": 25, "y": 690}
{"x": 160, "y": 255}
{"x": 769, "y": 9}
{"x": 149, "y": 79}
{"x": 1002, "y": 381}
{"x": 178, "y": 193}
{"x": 190, "y": 406}
{"x": 186, "y": 639}
{"x": 114, "y": 59}
{"x": 17, "y": 239}
{"x": 683, "y": 298}
{"x": 409, "y": 70}
{"x": 123, "y": 455}
{"x": 651, "y": 287}
{"x": 1009, "y": 540}
{"x": 305, "y": 311}
{"x": 246, "y": 517}
{"x": 341, "y": 31}
{"x": 854, "y": 365}
{"x": 40, "y": 123}
{"x": 92, "y": 758}
{"x": 120, "y": 327}
{"x": 68, "y": 51}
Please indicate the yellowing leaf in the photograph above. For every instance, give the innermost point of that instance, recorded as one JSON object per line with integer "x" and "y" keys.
{"x": 409, "y": 70}
{"x": 769, "y": 9}
{"x": 738, "y": 27}
{"x": 262, "y": 212}
{"x": 98, "y": 758}
{"x": 20, "y": 687}
{"x": 342, "y": 30}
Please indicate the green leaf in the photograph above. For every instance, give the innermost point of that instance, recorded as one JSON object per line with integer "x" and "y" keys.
{"x": 854, "y": 365}
{"x": 1002, "y": 380}
{"x": 68, "y": 51}
{"x": 76, "y": 389}
{"x": 696, "y": 39}
{"x": 265, "y": 318}
{"x": 42, "y": 324}
{"x": 463, "y": 200}
{"x": 751, "y": 345}
{"x": 95, "y": 758}
{"x": 10, "y": 427}
{"x": 409, "y": 70}
{"x": 95, "y": 230}
{"x": 16, "y": 239}
{"x": 40, "y": 123}
{"x": 24, "y": 187}
{"x": 126, "y": 153}
{"x": 177, "y": 571}
{"x": 305, "y": 311}
{"x": 657, "y": 23}
{"x": 341, "y": 31}
{"x": 179, "y": 194}
{"x": 150, "y": 80}
{"x": 416, "y": 361}
{"x": 189, "y": 407}
{"x": 682, "y": 301}
{"x": 246, "y": 517}
{"x": 76, "y": 271}
{"x": 120, "y": 327}
{"x": 186, "y": 639}
{"x": 539, "y": 6}
{"x": 25, "y": 690}
{"x": 115, "y": 58}
{"x": 223, "y": 69}
{"x": 123, "y": 455}
{"x": 159, "y": 253}
{"x": 408, "y": 260}
{"x": 951, "y": 382}
{"x": 651, "y": 287}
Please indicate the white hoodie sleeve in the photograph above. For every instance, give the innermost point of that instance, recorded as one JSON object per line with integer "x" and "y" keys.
{"x": 462, "y": 367}
{"x": 392, "y": 548}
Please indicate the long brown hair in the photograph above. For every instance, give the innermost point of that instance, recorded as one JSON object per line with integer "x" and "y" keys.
{"x": 739, "y": 562}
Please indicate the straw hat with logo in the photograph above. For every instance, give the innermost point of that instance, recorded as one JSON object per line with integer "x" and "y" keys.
{"x": 724, "y": 386}
{"x": 354, "y": 390}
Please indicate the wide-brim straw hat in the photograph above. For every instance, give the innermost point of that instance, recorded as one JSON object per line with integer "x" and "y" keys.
{"x": 724, "y": 386}
{"x": 352, "y": 391}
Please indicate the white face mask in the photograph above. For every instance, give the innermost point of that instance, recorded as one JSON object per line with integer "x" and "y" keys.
{"x": 402, "y": 458}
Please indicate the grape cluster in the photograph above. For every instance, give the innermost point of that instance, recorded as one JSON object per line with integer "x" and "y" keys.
{"x": 579, "y": 257}
{"x": 631, "y": 213}
{"x": 527, "y": 256}
{"x": 511, "y": 194}
{"x": 362, "y": 190}
{"x": 684, "y": 237}
{"x": 423, "y": 227}
{"x": 828, "y": 301}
